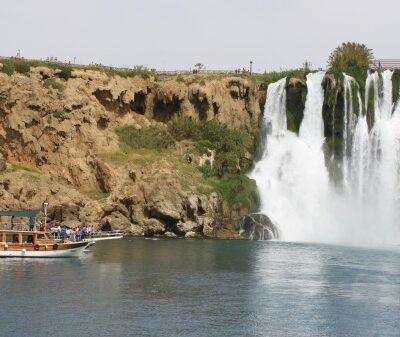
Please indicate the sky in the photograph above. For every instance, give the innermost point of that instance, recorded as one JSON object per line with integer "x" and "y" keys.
{"x": 176, "y": 34}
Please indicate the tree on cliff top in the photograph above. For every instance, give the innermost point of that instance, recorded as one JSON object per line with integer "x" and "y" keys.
{"x": 350, "y": 55}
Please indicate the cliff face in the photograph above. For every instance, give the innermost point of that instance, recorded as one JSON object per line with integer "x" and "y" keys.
{"x": 58, "y": 143}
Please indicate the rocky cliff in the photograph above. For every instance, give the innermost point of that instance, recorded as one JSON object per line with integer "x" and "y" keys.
{"x": 58, "y": 142}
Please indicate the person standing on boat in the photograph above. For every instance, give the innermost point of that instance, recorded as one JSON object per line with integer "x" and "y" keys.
{"x": 12, "y": 222}
{"x": 53, "y": 231}
{"x": 31, "y": 224}
{"x": 63, "y": 233}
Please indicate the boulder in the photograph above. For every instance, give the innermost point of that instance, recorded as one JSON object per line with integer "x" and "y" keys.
{"x": 258, "y": 226}
{"x": 153, "y": 227}
{"x": 116, "y": 221}
{"x": 136, "y": 230}
{"x": 188, "y": 226}
{"x": 170, "y": 235}
{"x": 192, "y": 235}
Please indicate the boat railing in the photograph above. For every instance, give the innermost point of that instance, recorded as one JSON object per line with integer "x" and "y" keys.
{"x": 16, "y": 226}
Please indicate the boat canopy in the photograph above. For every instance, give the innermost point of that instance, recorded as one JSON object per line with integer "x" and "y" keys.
{"x": 29, "y": 213}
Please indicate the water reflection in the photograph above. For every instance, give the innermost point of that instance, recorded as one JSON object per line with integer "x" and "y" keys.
{"x": 203, "y": 288}
{"x": 330, "y": 290}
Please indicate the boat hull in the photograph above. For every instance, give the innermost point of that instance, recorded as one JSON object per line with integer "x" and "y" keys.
{"x": 44, "y": 251}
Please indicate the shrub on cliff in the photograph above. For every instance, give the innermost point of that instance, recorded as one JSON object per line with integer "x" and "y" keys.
{"x": 65, "y": 73}
{"x": 230, "y": 145}
{"x": 152, "y": 138}
{"x": 52, "y": 83}
{"x": 7, "y": 68}
{"x": 350, "y": 55}
{"x": 396, "y": 85}
{"x": 22, "y": 68}
{"x": 238, "y": 191}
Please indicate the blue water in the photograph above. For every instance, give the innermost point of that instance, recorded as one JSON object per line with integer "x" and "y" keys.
{"x": 204, "y": 288}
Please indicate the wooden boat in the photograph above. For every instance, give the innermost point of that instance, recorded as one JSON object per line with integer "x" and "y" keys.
{"x": 19, "y": 243}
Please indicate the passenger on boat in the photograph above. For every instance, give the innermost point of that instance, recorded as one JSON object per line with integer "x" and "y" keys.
{"x": 31, "y": 224}
{"x": 63, "y": 233}
{"x": 53, "y": 231}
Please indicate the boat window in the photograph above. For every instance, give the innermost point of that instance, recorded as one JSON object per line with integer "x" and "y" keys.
{"x": 27, "y": 238}
{"x": 12, "y": 238}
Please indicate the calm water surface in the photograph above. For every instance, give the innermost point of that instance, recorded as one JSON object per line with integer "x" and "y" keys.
{"x": 204, "y": 288}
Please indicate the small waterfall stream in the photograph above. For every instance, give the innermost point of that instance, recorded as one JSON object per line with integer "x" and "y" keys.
{"x": 293, "y": 180}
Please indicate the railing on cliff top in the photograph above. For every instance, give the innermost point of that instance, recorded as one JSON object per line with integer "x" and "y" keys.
{"x": 384, "y": 64}
{"x": 125, "y": 69}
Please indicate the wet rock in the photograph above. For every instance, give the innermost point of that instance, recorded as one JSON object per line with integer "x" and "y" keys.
{"x": 116, "y": 221}
{"x": 192, "y": 235}
{"x": 258, "y": 226}
{"x": 188, "y": 226}
{"x": 136, "y": 230}
{"x": 170, "y": 235}
{"x": 153, "y": 227}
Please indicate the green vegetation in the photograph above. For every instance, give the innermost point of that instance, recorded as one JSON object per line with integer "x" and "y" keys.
{"x": 180, "y": 79}
{"x": 350, "y": 55}
{"x": 354, "y": 59}
{"x": 152, "y": 138}
{"x": 65, "y": 72}
{"x": 52, "y": 83}
{"x": 271, "y": 77}
{"x": 237, "y": 190}
{"x": 22, "y": 66}
{"x": 13, "y": 167}
{"x": 396, "y": 85}
{"x": 96, "y": 195}
{"x": 116, "y": 157}
{"x": 141, "y": 71}
{"x": 58, "y": 114}
{"x": 295, "y": 102}
{"x": 371, "y": 106}
{"x": 230, "y": 145}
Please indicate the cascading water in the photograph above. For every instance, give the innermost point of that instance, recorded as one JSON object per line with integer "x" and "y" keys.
{"x": 293, "y": 179}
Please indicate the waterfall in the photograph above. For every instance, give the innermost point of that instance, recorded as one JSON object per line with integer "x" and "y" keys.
{"x": 293, "y": 179}
{"x": 275, "y": 107}
{"x": 291, "y": 176}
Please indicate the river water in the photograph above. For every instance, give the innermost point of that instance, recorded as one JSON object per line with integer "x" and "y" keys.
{"x": 137, "y": 287}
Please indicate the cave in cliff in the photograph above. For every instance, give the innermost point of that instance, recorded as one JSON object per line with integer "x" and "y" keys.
{"x": 164, "y": 111}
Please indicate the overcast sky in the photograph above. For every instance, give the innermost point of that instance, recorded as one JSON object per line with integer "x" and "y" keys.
{"x": 176, "y": 34}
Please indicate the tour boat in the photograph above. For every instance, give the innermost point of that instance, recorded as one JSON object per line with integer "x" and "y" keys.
{"x": 19, "y": 242}
{"x": 15, "y": 243}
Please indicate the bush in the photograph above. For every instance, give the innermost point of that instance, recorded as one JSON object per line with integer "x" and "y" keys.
{"x": 8, "y": 68}
{"x": 230, "y": 145}
{"x": 153, "y": 138}
{"x": 184, "y": 128}
{"x": 237, "y": 189}
{"x": 65, "y": 73}
{"x": 180, "y": 79}
{"x": 58, "y": 114}
{"x": 52, "y": 83}
{"x": 271, "y": 77}
{"x": 396, "y": 85}
{"x": 22, "y": 68}
{"x": 350, "y": 55}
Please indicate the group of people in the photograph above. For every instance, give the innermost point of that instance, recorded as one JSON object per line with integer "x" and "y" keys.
{"x": 71, "y": 234}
